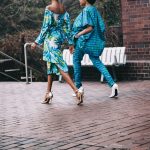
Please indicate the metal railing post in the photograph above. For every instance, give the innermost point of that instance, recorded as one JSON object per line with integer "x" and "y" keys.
{"x": 31, "y": 75}
{"x": 26, "y": 61}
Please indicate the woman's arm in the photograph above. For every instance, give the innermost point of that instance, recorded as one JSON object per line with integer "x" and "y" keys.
{"x": 87, "y": 22}
{"x": 67, "y": 29}
{"x": 85, "y": 31}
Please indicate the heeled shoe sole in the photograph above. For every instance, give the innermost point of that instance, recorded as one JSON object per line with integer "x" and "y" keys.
{"x": 47, "y": 101}
{"x": 116, "y": 94}
{"x": 80, "y": 101}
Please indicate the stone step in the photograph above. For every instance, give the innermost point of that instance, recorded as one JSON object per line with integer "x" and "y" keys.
{"x": 12, "y": 70}
{"x": 5, "y": 60}
{"x": 23, "y": 78}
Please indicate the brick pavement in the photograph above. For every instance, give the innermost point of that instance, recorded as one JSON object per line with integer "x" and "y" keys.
{"x": 100, "y": 123}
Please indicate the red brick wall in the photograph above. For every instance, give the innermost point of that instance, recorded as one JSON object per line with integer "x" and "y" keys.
{"x": 136, "y": 28}
{"x": 136, "y": 37}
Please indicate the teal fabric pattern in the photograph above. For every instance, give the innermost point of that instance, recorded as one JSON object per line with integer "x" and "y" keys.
{"x": 55, "y": 30}
{"x": 93, "y": 42}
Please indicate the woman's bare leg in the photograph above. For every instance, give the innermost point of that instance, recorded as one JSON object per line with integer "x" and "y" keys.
{"x": 68, "y": 80}
{"x": 79, "y": 94}
{"x": 50, "y": 82}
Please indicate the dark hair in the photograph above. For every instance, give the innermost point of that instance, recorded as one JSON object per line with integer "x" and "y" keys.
{"x": 91, "y": 1}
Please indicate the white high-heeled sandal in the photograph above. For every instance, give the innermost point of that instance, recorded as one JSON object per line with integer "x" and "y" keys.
{"x": 114, "y": 92}
{"x": 79, "y": 95}
{"x": 81, "y": 89}
{"x": 48, "y": 98}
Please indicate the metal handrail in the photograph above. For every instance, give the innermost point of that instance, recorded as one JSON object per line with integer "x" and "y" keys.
{"x": 22, "y": 64}
{"x": 9, "y": 76}
{"x": 26, "y": 61}
{"x": 17, "y": 61}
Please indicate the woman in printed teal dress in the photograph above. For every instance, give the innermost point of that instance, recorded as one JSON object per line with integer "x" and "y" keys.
{"x": 88, "y": 32}
{"x": 55, "y": 29}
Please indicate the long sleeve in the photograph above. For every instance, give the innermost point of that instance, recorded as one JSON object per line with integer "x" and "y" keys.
{"x": 67, "y": 30}
{"x": 46, "y": 24}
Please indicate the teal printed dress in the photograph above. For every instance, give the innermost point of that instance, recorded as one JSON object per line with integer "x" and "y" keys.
{"x": 91, "y": 43}
{"x": 55, "y": 30}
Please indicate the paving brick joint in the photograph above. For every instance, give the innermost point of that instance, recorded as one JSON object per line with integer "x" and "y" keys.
{"x": 100, "y": 123}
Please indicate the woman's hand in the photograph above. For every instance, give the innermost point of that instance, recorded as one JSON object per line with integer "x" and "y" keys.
{"x": 77, "y": 36}
{"x": 33, "y": 46}
{"x": 71, "y": 49}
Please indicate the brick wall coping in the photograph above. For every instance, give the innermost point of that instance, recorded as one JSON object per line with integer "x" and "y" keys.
{"x": 138, "y": 61}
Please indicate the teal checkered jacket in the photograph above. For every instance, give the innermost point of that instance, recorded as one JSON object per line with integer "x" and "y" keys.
{"x": 93, "y": 42}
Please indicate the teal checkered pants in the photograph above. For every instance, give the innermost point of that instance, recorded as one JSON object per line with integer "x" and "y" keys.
{"x": 78, "y": 56}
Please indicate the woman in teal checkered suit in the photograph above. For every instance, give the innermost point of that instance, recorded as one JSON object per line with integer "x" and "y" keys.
{"x": 88, "y": 32}
{"x": 55, "y": 30}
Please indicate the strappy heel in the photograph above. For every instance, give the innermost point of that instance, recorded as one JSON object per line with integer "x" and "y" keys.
{"x": 48, "y": 98}
{"x": 79, "y": 95}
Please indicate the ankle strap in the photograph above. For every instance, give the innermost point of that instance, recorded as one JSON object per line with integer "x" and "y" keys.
{"x": 47, "y": 92}
{"x": 76, "y": 91}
